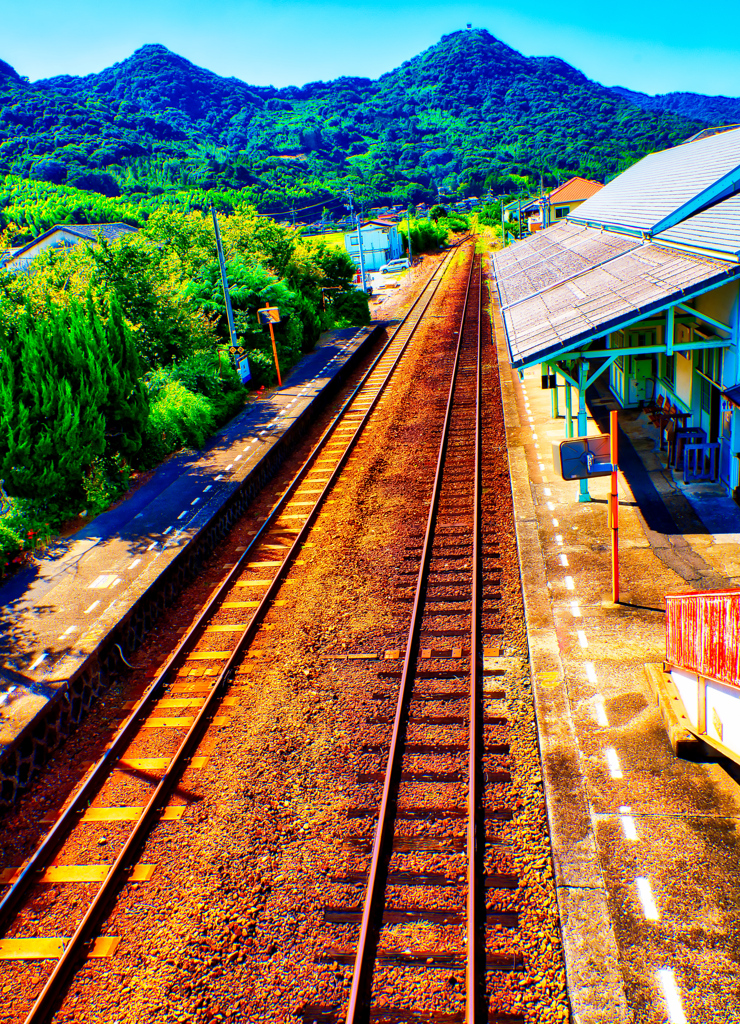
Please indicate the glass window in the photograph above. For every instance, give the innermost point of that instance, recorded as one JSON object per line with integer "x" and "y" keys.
{"x": 669, "y": 369}
{"x": 706, "y": 395}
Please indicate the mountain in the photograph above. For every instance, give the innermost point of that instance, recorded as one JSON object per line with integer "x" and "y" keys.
{"x": 467, "y": 114}
{"x": 715, "y": 110}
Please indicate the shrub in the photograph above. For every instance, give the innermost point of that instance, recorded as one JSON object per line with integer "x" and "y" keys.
{"x": 177, "y": 418}
{"x": 352, "y": 309}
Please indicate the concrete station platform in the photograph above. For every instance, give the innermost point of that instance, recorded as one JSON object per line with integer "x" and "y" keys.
{"x": 61, "y": 612}
{"x": 645, "y": 844}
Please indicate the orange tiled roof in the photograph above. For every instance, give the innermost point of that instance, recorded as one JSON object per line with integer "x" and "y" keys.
{"x": 574, "y": 191}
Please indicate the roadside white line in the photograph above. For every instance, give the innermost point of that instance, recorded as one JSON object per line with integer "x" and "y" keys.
{"x": 92, "y": 606}
{"x": 600, "y": 712}
{"x": 645, "y": 893}
{"x": 628, "y": 823}
{"x": 135, "y": 562}
{"x": 672, "y": 996}
{"x": 612, "y": 760}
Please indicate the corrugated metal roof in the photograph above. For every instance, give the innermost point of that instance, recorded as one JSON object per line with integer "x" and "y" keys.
{"x": 606, "y": 297}
{"x": 716, "y": 229}
{"x": 664, "y": 188}
{"x": 552, "y": 256}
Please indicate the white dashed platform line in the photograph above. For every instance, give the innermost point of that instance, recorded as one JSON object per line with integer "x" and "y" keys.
{"x": 575, "y": 610}
{"x": 555, "y": 523}
{"x": 220, "y": 476}
{"x": 569, "y": 584}
{"x": 564, "y": 561}
{"x": 559, "y": 539}
{"x": 628, "y": 823}
{"x": 154, "y": 542}
{"x": 135, "y": 562}
{"x": 183, "y": 514}
{"x": 206, "y": 489}
{"x": 195, "y": 501}
{"x": 645, "y": 894}
{"x": 588, "y": 668}
{"x": 92, "y": 607}
{"x": 674, "y": 1005}
{"x": 582, "y": 638}
{"x": 612, "y": 760}
{"x": 166, "y": 531}
{"x": 600, "y": 712}
{"x": 41, "y": 657}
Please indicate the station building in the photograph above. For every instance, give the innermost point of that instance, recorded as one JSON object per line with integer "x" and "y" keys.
{"x": 638, "y": 287}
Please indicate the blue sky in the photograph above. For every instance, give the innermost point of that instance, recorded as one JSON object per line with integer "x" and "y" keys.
{"x": 650, "y": 45}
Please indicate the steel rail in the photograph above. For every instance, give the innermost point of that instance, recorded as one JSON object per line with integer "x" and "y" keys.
{"x": 473, "y": 973}
{"x": 82, "y": 798}
{"x": 76, "y": 946}
{"x": 362, "y": 972}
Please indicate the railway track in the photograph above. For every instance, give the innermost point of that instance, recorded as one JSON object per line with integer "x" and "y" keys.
{"x": 439, "y": 894}
{"x": 160, "y": 739}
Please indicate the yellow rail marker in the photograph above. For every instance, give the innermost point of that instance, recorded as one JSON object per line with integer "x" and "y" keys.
{"x": 154, "y": 763}
{"x": 240, "y": 604}
{"x": 183, "y": 722}
{"x": 209, "y": 655}
{"x": 179, "y": 702}
{"x": 126, "y": 814}
{"x": 237, "y": 628}
{"x": 52, "y": 949}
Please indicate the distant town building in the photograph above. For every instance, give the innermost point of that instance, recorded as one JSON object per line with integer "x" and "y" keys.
{"x": 62, "y": 236}
{"x": 381, "y": 242}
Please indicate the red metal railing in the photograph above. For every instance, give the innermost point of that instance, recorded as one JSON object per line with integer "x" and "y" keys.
{"x": 702, "y": 634}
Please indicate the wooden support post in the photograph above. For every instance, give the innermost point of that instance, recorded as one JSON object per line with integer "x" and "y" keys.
{"x": 274, "y": 352}
{"x": 614, "y": 506}
{"x": 568, "y": 410}
{"x": 583, "y": 494}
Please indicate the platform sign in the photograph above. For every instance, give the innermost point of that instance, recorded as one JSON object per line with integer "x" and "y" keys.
{"x": 269, "y": 315}
{"x": 581, "y": 458}
{"x": 242, "y": 366}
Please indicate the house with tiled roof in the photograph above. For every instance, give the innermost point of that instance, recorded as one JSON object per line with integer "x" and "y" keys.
{"x": 559, "y": 203}
{"x": 62, "y": 236}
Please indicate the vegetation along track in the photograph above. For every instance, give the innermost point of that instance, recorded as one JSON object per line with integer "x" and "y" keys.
{"x": 261, "y": 846}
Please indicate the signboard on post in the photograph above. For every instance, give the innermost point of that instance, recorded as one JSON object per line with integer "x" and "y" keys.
{"x": 581, "y": 458}
{"x": 269, "y": 315}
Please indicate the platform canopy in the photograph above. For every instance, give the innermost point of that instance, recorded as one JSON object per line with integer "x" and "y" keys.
{"x": 665, "y": 188}
{"x": 609, "y": 291}
{"x": 662, "y": 233}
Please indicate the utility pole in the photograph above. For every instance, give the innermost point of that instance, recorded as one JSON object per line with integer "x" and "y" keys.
{"x": 408, "y": 224}
{"x": 503, "y": 229}
{"x": 224, "y": 282}
{"x": 359, "y": 238}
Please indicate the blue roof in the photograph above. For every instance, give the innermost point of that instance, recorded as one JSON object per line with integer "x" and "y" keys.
{"x": 714, "y": 230}
{"x": 663, "y": 189}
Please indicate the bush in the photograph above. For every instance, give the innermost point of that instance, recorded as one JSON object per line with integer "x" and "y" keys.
{"x": 352, "y": 308}
{"x": 11, "y": 545}
{"x": 177, "y": 418}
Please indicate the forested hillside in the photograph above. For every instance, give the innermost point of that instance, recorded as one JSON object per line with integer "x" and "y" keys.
{"x": 467, "y": 114}
{"x": 715, "y": 110}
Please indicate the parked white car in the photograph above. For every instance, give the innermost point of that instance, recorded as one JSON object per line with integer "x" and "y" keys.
{"x": 394, "y": 267}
